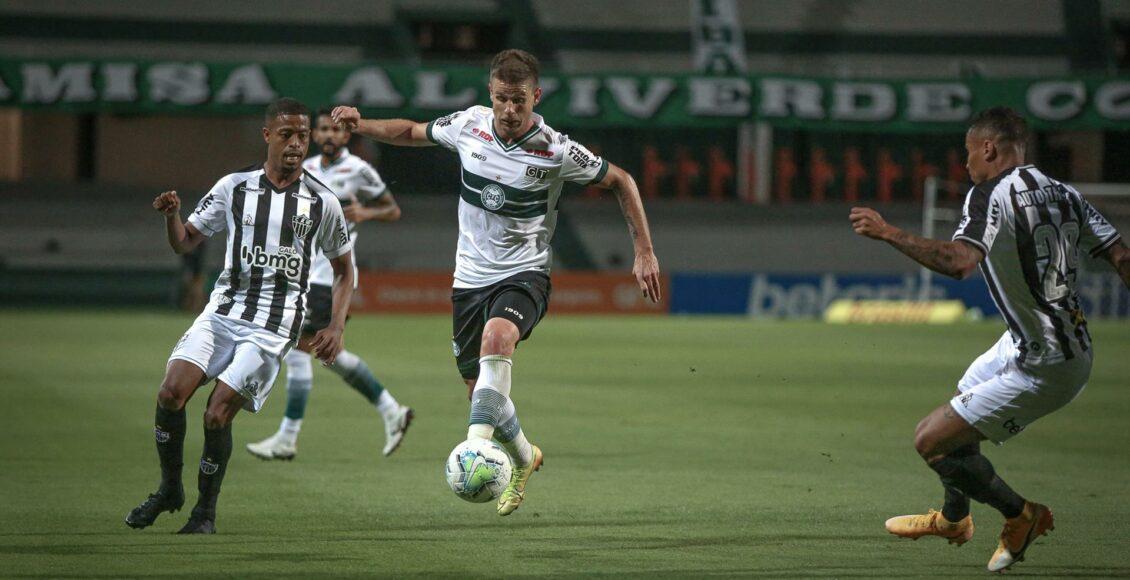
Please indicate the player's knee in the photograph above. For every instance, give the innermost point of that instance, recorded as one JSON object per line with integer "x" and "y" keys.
{"x": 499, "y": 339}
{"x": 925, "y": 443}
{"x": 172, "y": 397}
{"x": 216, "y": 417}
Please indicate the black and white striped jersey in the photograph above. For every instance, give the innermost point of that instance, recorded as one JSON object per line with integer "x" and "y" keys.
{"x": 1031, "y": 229}
{"x": 272, "y": 235}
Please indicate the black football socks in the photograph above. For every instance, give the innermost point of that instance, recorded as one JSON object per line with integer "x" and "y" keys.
{"x": 169, "y": 429}
{"x": 973, "y": 474}
{"x": 213, "y": 464}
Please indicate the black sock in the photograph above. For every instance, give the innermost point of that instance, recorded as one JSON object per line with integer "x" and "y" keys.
{"x": 974, "y": 475}
{"x": 956, "y": 505}
{"x": 169, "y": 427}
{"x": 213, "y": 464}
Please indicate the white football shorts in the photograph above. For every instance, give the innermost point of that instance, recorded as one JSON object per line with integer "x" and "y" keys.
{"x": 1000, "y": 396}
{"x": 238, "y": 353}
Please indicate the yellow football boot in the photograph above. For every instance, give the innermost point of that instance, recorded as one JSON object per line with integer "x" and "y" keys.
{"x": 512, "y": 497}
{"x": 932, "y": 523}
{"x": 1019, "y": 533}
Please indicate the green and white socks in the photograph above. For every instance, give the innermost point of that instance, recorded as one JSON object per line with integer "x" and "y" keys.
{"x": 492, "y": 411}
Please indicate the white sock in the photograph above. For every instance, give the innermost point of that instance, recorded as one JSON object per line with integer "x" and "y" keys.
{"x": 387, "y": 405}
{"x": 288, "y": 430}
{"x": 518, "y": 447}
{"x": 494, "y": 375}
{"x": 480, "y": 431}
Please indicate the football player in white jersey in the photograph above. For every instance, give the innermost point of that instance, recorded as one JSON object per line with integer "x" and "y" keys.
{"x": 1025, "y": 231}
{"x": 364, "y": 197}
{"x": 513, "y": 168}
{"x": 276, "y": 217}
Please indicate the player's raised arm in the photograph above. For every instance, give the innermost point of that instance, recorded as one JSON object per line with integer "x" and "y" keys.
{"x": 646, "y": 265}
{"x": 392, "y": 131}
{"x": 956, "y": 259}
{"x": 183, "y": 238}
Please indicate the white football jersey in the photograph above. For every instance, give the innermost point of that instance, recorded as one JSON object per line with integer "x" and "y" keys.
{"x": 1031, "y": 228}
{"x": 353, "y": 180}
{"x": 272, "y": 238}
{"x": 509, "y": 193}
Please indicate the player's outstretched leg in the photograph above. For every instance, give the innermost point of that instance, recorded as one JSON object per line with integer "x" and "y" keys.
{"x": 396, "y": 417}
{"x": 223, "y": 405}
{"x": 953, "y": 523}
{"x": 299, "y": 380}
{"x": 181, "y": 380}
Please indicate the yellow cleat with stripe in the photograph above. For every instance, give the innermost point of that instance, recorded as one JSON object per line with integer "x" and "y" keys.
{"x": 514, "y": 493}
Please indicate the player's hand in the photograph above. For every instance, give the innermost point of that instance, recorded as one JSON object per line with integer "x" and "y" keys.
{"x": 327, "y": 344}
{"x": 348, "y": 116}
{"x": 167, "y": 203}
{"x": 867, "y": 222}
{"x": 355, "y": 213}
{"x": 646, "y": 270}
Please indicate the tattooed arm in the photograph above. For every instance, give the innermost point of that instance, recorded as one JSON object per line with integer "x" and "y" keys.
{"x": 955, "y": 259}
{"x": 646, "y": 266}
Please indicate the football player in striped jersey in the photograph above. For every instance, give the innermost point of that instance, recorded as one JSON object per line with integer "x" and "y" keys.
{"x": 275, "y": 215}
{"x": 1025, "y": 231}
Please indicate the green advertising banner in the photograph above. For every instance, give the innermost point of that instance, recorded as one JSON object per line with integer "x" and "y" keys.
{"x": 576, "y": 100}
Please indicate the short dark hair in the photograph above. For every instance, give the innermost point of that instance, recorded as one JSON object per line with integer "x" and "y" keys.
{"x": 286, "y": 106}
{"x": 324, "y": 112}
{"x": 1003, "y": 124}
{"x": 515, "y": 66}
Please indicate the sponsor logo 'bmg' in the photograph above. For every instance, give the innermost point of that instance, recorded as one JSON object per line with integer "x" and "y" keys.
{"x": 285, "y": 259}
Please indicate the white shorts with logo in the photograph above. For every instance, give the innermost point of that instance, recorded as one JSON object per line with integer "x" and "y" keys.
{"x": 238, "y": 353}
{"x": 1000, "y": 396}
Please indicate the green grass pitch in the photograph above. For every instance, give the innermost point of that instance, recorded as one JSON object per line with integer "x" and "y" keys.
{"x": 674, "y": 447}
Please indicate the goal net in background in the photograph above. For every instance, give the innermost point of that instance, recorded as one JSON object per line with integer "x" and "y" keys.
{"x": 1101, "y": 290}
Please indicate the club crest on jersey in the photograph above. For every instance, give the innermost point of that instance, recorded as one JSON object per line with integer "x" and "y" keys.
{"x": 493, "y": 197}
{"x": 248, "y": 220}
{"x": 301, "y": 225}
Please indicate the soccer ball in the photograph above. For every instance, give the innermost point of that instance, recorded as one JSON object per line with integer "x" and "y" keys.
{"x": 478, "y": 470}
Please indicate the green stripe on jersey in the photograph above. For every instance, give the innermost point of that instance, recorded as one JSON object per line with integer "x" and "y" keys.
{"x": 516, "y": 203}
{"x": 429, "y": 133}
{"x": 513, "y": 194}
{"x": 508, "y": 209}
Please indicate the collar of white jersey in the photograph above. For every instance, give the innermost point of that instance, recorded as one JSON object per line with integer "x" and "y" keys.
{"x": 535, "y": 128}
{"x": 340, "y": 158}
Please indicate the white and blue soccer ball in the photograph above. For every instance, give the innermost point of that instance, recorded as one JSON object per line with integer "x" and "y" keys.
{"x": 478, "y": 470}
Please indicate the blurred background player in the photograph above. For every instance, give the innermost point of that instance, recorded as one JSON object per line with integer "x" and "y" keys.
{"x": 1024, "y": 230}
{"x": 513, "y": 168}
{"x": 364, "y": 197}
{"x": 275, "y": 215}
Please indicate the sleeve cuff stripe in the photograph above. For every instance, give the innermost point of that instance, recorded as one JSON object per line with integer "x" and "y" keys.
{"x": 429, "y": 132}
{"x": 600, "y": 174}
{"x": 978, "y": 243}
{"x": 339, "y": 252}
{"x": 1105, "y": 245}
